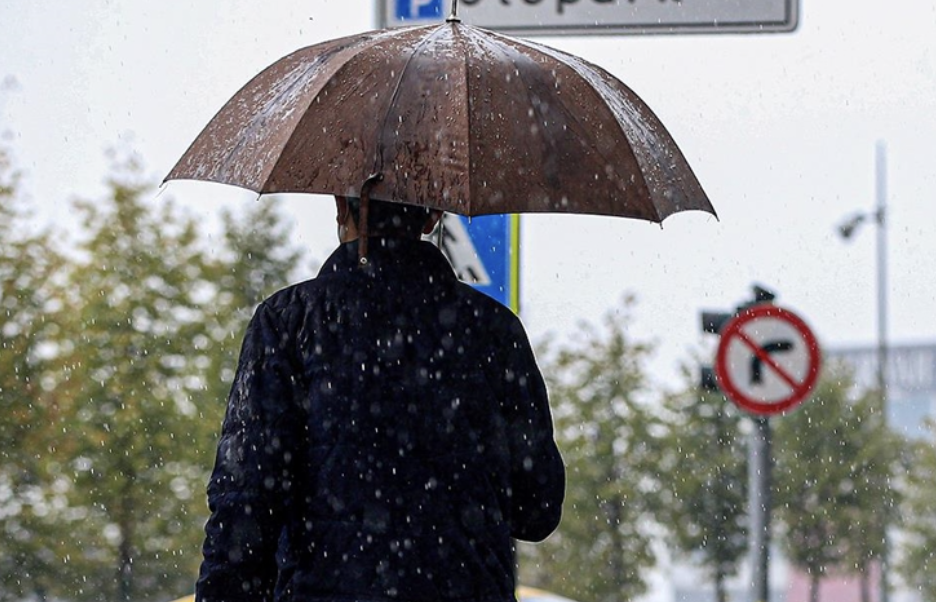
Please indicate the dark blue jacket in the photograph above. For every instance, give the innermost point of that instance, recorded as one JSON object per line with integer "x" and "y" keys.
{"x": 387, "y": 435}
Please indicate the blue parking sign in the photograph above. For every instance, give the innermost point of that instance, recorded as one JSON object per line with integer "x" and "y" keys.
{"x": 418, "y": 9}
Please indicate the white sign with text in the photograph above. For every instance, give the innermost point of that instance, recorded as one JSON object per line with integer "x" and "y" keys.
{"x": 580, "y": 17}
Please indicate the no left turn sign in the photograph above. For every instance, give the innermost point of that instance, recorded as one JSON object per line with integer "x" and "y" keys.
{"x": 767, "y": 360}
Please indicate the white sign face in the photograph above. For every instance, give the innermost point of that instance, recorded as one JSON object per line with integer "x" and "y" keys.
{"x": 580, "y": 17}
{"x": 460, "y": 249}
{"x": 767, "y": 360}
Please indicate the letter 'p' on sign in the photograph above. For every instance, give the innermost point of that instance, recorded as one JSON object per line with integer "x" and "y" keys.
{"x": 418, "y": 9}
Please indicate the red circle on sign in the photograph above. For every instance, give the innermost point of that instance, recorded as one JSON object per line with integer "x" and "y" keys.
{"x": 799, "y": 389}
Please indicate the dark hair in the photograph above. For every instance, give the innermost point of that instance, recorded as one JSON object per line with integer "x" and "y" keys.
{"x": 394, "y": 219}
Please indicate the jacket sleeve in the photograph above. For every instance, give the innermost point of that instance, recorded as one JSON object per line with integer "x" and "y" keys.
{"x": 537, "y": 486}
{"x": 253, "y": 471}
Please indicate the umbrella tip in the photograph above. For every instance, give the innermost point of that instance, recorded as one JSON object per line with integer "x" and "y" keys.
{"x": 453, "y": 16}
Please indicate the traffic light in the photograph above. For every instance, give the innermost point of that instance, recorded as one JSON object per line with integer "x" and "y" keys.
{"x": 708, "y": 381}
{"x": 714, "y": 322}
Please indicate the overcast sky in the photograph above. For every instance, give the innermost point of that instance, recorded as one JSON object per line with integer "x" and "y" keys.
{"x": 779, "y": 128}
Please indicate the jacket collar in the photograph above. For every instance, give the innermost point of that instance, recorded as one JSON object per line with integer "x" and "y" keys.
{"x": 391, "y": 256}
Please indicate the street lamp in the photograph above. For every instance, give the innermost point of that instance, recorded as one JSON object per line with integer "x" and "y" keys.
{"x": 847, "y": 229}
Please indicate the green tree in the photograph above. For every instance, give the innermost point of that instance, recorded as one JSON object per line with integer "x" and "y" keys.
{"x": 918, "y": 558}
{"x": 834, "y": 459}
{"x": 880, "y": 452}
{"x": 599, "y": 393}
{"x": 29, "y": 266}
{"x": 255, "y": 261}
{"x": 114, "y": 369}
{"x": 129, "y": 385}
{"x": 705, "y": 472}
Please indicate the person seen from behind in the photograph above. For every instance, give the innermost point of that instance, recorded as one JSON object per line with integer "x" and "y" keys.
{"x": 387, "y": 435}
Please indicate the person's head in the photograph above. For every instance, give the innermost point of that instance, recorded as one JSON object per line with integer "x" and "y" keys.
{"x": 394, "y": 220}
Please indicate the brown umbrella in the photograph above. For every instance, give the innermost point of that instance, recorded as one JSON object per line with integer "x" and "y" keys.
{"x": 452, "y": 117}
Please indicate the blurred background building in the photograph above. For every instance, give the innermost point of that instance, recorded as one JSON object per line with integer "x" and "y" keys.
{"x": 911, "y": 382}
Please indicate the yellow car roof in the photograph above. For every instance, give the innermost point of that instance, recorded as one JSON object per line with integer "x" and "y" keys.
{"x": 531, "y": 594}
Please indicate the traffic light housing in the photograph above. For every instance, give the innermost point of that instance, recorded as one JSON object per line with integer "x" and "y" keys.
{"x": 708, "y": 381}
{"x": 713, "y": 322}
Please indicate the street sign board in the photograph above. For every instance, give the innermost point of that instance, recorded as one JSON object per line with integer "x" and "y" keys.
{"x": 767, "y": 360}
{"x": 582, "y": 17}
{"x": 484, "y": 251}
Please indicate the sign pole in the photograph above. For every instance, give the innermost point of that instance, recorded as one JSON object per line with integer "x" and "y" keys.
{"x": 767, "y": 363}
{"x": 760, "y": 482}
{"x": 881, "y": 194}
{"x": 514, "y": 251}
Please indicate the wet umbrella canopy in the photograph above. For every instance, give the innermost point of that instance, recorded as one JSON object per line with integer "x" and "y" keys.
{"x": 449, "y": 116}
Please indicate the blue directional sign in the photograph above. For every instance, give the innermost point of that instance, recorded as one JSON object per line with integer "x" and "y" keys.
{"x": 485, "y": 252}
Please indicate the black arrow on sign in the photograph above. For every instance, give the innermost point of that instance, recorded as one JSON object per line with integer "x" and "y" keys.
{"x": 757, "y": 365}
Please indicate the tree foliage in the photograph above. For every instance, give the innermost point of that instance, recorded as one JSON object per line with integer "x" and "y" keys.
{"x": 704, "y": 459}
{"x": 605, "y": 430}
{"x": 29, "y": 511}
{"x": 112, "y": 366}
{"x": 129, "y": 387}
{"x": 116, "y": 358}
{"x": 835, "y": 458}
{"x": 254, "y": 262}
{"x": 918, "y": 558}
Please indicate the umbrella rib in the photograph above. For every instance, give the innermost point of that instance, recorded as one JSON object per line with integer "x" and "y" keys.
{"x": 572, "y": 114}
{"x": 297, "y": 81}
{"x": 589, "y": 72}
{"x": 571, "y": 62}
{"x": 519, "y": 73}
{"x": 378, "y": 159}
{"x": 468, "y": 129}
{"x": 357, "y": 49}
{"x": 578, "y": 66}
{"x": 650, "y": 127}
